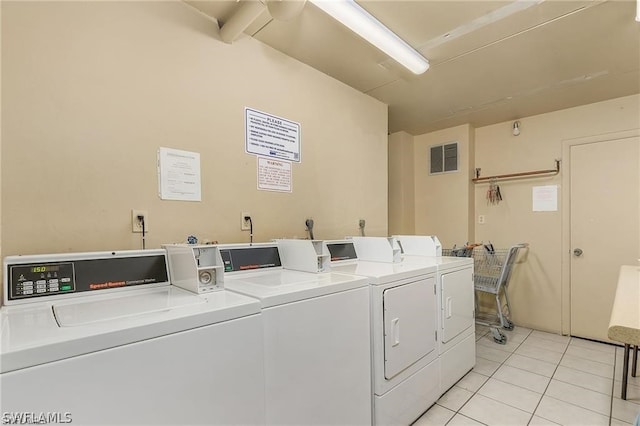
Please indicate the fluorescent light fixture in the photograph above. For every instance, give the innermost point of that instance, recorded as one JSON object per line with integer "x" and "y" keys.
{"x": 637, "y": 10}
{"x": 358, "y": 20}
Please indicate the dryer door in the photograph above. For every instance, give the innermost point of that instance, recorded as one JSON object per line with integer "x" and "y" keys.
{"x": 409, "y": 325}
{"x": 457, "y": 303}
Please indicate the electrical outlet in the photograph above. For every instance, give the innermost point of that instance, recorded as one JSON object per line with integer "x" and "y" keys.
{"x": 481, "y": 219}
{"x": 245, "y": 225}
{"x": 136, "y": 225}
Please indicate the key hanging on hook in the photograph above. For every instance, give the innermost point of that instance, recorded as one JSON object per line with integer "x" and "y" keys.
{"x": 494, "y": 196}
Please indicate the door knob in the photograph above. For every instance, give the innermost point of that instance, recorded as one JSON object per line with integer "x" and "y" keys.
{"x": 577, "y": 252}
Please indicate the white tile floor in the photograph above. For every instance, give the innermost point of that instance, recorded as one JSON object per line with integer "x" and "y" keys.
{"x": 539, "y": 378}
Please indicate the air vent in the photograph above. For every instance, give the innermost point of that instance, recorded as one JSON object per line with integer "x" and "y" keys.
{"x": 443, "y": 158}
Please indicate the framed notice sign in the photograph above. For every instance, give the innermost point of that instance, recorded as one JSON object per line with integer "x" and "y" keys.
{"x": 269, "y": 136}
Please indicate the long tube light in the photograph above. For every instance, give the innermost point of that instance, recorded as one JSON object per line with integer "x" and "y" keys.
{"x": 361, "y": 22}
{"x": 637, "y": 10}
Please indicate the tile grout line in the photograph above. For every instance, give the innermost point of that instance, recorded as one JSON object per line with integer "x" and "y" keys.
{"x": 544, "y": 393}
{"x": 570, "y": 403}
{"x": 575, "y": 405}
{"x": 615, "y": 362}
{"x": 613, "y": 385}
{"x": 458, "y": 410}
{"x": 592, "y": 374}
{"x": 549, "y": 384}
{"x": 489, "y": 377}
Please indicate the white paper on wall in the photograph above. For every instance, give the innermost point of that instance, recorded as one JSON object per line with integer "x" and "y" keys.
{"x": 545, "y": 198}
{"x": 274, "y": 175}
{"x": 179, "y": 175}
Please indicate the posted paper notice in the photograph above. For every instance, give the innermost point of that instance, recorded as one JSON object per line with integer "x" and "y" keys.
{"x": 179, "y": 175}
{"x": 545, "y": 198}
{"x": 274, "y": 175}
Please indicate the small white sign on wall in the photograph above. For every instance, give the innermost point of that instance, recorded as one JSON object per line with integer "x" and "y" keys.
{"x": 545, "y": 198}
{"x": 270, "y": 136}
{"x": 179, "y": 175}
{"x": 274, "y": 175}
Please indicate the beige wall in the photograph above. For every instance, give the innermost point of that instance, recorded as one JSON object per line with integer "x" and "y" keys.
{"x": 93, "y": 89}
{"x": 442, "y": 201}
{"x": 448, "y": 205}
{"x": 537, "y": 295}
{"x": 0, "y": 144}
{"x": 401, "y": 184}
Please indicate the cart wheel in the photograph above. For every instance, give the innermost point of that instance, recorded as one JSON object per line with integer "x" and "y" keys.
{"x": 508, "y": 326}
{"x": 502, "y": 340}
{"x": 498, "y": 336}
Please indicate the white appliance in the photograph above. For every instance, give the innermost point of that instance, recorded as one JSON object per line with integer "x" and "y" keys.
{"x": 455, "y": 295}
{"x": 316, "y": 333}
{"x": 403, "y": 314}
{"x": 103, "y": 338}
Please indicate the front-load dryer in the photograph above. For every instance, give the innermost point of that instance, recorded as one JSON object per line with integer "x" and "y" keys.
{"x": 316, "y": 336}
{"x": 455, "y": 296}
{"x": 403, "y": 325}
{"x": 103, "y": 338}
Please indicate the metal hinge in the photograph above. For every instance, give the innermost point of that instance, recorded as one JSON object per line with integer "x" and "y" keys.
{"x": 434, "y": 289}
{"x": 436, "y": 335}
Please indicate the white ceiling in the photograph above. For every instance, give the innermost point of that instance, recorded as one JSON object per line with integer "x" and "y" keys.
{"x": 491, "y": 61}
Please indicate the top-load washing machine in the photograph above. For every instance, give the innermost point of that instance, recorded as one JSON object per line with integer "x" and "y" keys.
{"x": 103, "y": 338}
{"x": 403, "y": 314}
{"x": 316, "y": 331}
{"x": 455, "y": 296}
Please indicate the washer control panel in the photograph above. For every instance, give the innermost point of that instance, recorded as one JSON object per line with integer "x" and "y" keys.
{"x": 247, "y": 258}
{"x": 37, "y": 276}
{"x": 41, "y": 279}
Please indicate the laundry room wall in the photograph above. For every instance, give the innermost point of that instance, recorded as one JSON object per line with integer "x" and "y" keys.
{"x": 0, "y": 147}
{"x": 401, "y": 184}
{"x": 443, "y": 201}
{"x": 449, "y": 205}
{"x": 536, "y": 291}
{"x": 91, "y": 90}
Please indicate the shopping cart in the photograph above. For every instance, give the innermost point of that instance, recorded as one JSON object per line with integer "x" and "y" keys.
{"x": 464, "y": 251}
{"x": 492, "y": 271}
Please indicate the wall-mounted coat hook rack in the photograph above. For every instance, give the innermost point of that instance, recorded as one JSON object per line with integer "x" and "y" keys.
{"x": 535, "y": 173}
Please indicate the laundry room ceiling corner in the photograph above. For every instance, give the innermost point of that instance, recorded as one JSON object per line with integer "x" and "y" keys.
{"x": 490, "y": 60}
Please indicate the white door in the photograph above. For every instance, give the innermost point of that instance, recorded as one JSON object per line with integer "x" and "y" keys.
{"x": 605, "y": 233}
{"x": 457, "y": 303}
{"x": 409, "y": 324}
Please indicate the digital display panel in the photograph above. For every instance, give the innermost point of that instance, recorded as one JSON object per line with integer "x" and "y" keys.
{"x": 45, "y": 268}
{"x": 342, "y": 251}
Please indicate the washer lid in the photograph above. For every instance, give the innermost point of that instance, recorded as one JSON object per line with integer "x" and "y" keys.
{"x": 383, "y": 273}
{"x": 443, "y": 262}
{"x": 277, "y": 287}
{"x": 91, "y": 310}
{"x": 30, "y": 334}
